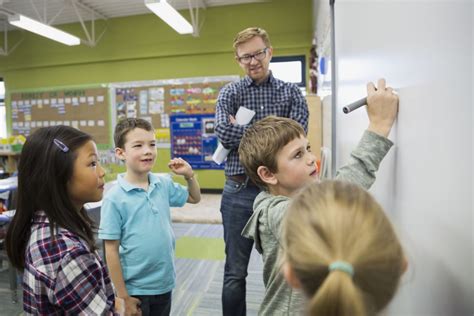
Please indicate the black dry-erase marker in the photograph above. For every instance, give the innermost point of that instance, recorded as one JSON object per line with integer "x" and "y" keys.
{"x": 354, "y": 105}
{"x": 357, "y": 104}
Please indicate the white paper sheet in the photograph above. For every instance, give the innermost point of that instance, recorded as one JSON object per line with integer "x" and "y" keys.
{"x": 243, "y": 116}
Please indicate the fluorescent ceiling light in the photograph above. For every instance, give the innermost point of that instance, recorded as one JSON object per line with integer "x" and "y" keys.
{"x": 42, "y": 29}
{"x": 168, "y": 14}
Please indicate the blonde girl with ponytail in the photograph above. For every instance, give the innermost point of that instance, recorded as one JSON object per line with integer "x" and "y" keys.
{"x": 341, "y": 250}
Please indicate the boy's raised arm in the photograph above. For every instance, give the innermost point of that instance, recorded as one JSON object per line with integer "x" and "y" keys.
{"x": 194, "y": 190}
{"x": 382, "y": 107}
{"x": 182, "y": 167}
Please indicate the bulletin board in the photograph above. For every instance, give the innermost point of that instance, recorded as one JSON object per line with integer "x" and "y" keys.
{"x": 194, "y": 139}
{"x": 157, "y": 100}
{"x": 86, "y": 109}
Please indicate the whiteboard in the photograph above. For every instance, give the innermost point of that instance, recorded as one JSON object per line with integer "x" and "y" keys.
{"x": 425, "y": 50}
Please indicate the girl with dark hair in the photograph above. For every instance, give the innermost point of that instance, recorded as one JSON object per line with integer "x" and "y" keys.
{"x": 50, "y": 237}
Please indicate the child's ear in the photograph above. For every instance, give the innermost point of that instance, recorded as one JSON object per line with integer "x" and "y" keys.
{"x": 290, "y": 276}
{"x": 119, "y": 153}
{"x": 266, "y": 175}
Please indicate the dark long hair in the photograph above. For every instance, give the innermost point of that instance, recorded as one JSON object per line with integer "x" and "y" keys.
{"x": 44, "y": 171}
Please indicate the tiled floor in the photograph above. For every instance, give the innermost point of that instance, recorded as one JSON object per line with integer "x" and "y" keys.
{"x": 199, "y": 274}
{"x": 199, "y": 282}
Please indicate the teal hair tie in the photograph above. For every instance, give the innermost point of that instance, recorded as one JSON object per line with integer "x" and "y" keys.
{"x": 342, "y": 266}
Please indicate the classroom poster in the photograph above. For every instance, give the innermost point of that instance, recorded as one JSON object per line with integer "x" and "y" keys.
{"x": 157, "y": 100}
{"x": 194, "y": 139}
{"x": 85, "y": 108}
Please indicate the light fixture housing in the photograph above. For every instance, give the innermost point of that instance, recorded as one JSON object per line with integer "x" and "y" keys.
{"x": 168, "y": 14}
{"x": 42, "y": 29}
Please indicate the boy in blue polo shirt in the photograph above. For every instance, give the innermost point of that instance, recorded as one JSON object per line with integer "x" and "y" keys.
{"x": 136, "y": 223}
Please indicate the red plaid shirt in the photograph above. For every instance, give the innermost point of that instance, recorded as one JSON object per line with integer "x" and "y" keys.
{"x": 63, "y": 277}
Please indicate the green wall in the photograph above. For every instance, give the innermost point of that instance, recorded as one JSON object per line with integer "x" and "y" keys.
{"x": 144, "y": 48}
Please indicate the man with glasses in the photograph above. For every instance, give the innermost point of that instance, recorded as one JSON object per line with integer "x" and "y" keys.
{"x": 266, "y": 95}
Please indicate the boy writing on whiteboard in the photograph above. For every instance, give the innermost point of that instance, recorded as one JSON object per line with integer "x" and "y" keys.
{"x": 277, "y": 157}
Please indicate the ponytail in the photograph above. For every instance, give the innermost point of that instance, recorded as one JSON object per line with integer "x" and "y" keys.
{"x": 343, "y": 250}
{"x": 337, "y": 295}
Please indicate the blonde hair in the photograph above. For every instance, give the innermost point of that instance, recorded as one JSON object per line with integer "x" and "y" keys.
{"x": 337, "y": 221}
{"x": 263, "y": 140}
{"x": 248, "y": 34}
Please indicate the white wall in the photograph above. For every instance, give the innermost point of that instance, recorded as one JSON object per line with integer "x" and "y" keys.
{"x": 425, "y": 50}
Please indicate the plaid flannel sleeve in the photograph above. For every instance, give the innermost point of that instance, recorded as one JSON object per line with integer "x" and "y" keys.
{"x": 228, "y": 134}
{"x": 79, "y": 287}
{"x": 299, "y": 108}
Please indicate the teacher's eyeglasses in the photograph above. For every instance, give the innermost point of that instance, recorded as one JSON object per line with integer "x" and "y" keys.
{"x": 247, "y": 59}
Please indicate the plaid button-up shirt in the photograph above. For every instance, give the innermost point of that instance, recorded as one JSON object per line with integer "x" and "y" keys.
{"x": 63, "y": 277}
{"x": 273, "y": 97}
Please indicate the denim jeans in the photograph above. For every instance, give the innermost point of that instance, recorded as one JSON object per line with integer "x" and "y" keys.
{"x": 236, "y": 208}
{"x": 155, "y": 305}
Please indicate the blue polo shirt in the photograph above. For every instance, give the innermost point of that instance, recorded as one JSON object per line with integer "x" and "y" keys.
{"x": 141, "y": 221}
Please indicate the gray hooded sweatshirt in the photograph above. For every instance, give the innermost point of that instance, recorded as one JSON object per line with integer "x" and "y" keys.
{"x": 269, "y": 210}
